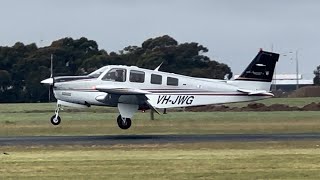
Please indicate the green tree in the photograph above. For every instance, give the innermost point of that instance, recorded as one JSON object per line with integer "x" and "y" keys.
{"x": 5, "y": 79}
{"x": 316, "y": 79}
{"x": 185, "y": 58}
{"x": 22, "y": 67}
{"x": 163, "y": 41}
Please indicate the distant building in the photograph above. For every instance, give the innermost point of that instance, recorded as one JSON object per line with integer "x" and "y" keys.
{"x": 287, "y": 82}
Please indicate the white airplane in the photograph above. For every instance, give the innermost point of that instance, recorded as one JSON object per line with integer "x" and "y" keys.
{"x": 131, "y": 88}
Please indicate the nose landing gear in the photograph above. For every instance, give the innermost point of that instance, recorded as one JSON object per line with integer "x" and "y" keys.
{"x": 55, "y": 119}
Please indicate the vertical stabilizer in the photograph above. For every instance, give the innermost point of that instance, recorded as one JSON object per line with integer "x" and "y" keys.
{"x": 261, "y": 68}
{"x": 258, "y": 75}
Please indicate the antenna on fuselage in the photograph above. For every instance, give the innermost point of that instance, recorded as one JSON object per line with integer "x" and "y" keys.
{"x": 157, "y": 69}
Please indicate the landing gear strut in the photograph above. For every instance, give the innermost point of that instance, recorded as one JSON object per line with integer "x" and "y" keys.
{"x": 55, "y": 119}
{"x": 123, "y": 123}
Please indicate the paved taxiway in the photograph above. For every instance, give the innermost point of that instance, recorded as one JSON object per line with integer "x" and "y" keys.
{"x": 151, "y": 139}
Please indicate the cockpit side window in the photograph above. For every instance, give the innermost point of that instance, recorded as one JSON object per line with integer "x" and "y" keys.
{"x": 156, "y": 79}
{"x": 115, "y": 74}
{"x": 172, "y": 81}
{"x": 137, "y": 76}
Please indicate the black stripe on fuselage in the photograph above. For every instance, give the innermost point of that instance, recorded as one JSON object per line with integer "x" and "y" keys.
{"x": 198, "y": 93}
{"x": 72, "y": 78}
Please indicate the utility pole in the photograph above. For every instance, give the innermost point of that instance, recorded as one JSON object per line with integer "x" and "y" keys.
{"x": 274, "y": 78}
{"x": 151, "y": 114}
{"x": 297, "y": 66}
{"x": 297, "y": 70}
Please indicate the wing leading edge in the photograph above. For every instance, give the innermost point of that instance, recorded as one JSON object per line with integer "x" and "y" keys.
{"x": 120, "y": 90}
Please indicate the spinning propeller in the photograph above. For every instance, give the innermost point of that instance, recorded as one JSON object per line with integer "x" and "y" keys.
{"x": 50, "y": 80}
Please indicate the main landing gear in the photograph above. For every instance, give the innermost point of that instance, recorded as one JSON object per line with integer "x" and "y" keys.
{"x": 126, "y": 112}
{"x": 123, "y": 120}
{"x": 55, "y": 119}
{"x": 123, "y": 123}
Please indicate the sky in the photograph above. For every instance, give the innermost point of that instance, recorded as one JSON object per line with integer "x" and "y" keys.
{"x": 232, "y": 30}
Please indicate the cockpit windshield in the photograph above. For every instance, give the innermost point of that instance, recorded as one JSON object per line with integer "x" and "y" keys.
{"x": 115, "y": 74}
{"x": 98, "y": 72}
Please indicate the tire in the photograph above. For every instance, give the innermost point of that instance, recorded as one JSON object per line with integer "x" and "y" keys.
{"x": 55, "y": 121}
{"x": 122, "y": 124}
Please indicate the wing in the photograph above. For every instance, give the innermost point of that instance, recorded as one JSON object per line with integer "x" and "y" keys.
{"x": 128, "y": 94}
{"x": 257, "y": 92}
{"x": 120, "y": 90}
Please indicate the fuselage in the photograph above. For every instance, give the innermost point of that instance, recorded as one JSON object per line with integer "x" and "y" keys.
{"x": 165, "y": 90}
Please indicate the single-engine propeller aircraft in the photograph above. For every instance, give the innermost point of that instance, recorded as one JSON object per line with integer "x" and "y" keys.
{"x": 131, "y": 88}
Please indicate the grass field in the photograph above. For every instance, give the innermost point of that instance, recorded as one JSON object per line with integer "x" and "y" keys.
{"x": 211, "y": 160}
{"x": 33, "y": 119}
{"x": 89, "y": 123}
{"x": 299, "y": 102}
{"x": 267, "y": 160}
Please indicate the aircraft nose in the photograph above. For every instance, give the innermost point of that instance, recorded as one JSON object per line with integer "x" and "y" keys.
{"x": 47, "y": 81}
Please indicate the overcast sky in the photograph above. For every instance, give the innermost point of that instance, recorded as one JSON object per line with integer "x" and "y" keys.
{"x": 232, "y": 30}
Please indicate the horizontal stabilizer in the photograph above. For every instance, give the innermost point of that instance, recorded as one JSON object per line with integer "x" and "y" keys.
{"x": 258, "y": 92}
{"x": 120, "y": 90}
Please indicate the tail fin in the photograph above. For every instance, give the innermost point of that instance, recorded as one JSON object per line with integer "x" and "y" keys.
{"x": 261, "y": 68}
{"x": 258, "y": 75}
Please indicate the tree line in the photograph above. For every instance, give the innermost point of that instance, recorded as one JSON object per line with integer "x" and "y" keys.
{"x": 316, "y": 79}
{"x": 22, "y": 67}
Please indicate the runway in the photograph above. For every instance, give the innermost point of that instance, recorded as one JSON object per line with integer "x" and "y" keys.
{"x": 151, "y": 139}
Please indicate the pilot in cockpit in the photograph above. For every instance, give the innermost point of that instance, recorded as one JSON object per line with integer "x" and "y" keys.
{"x": 119, "y": 75}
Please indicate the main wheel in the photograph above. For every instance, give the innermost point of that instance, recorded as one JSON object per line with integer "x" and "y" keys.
{"x": 55, "y": 120}
{"x": 123, "y": 123}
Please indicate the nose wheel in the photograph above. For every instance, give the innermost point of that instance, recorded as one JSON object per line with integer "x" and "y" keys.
{"x": 123, "y": 123}
{"x": 55, "y": 119}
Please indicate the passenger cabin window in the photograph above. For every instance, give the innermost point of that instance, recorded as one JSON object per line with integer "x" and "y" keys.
{"x": 172, "y": 81}
{"x": 116, "y": 74}
{"x": 136, "y": 76}
{"x": 156, "y": 79}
